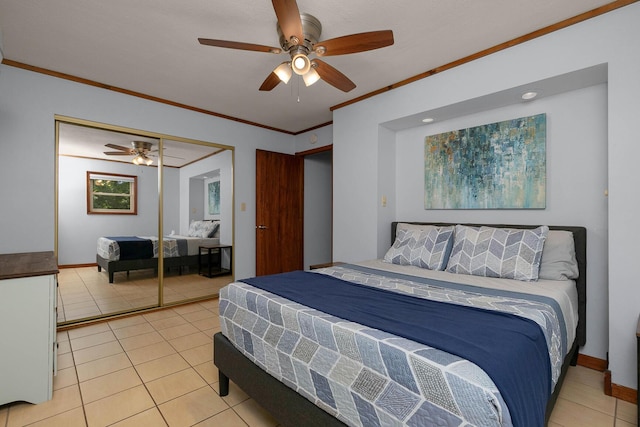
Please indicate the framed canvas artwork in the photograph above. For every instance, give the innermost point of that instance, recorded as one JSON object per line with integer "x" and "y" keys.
{"x": 494, "y": 166}
{"x": 212, "y": 209}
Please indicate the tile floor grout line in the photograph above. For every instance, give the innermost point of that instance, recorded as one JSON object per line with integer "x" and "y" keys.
{"x": 75, "y": 367}
{"x": 86, "y": 419}
{"x": 195, "y": 283}
{"x": 144, "y": 383}
{"x": 86, "y": 288}
{"x": 615, "y": 406}
{"x": 145, "y": 387}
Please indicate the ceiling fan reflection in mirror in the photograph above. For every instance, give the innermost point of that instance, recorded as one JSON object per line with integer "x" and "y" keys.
{"x": 139, "y": 149}
{"x": 142, "y": 150}
{"x": 299, "y": 35}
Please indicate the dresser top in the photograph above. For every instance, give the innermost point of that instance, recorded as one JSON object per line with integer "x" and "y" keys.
{"x": 28, "y": 264}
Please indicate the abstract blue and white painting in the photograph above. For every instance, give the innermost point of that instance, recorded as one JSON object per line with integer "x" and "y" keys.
{"x": 214, "y": 198}
{"x": 495, "y": 166}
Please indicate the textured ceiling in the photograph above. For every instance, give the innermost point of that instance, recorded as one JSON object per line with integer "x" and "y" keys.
{"x": 151, "y": 47}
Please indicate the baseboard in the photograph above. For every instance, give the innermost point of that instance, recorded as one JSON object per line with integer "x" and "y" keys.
{"x": 610, "y": 389}
{"x": 625, "y": 393}
{"x": 619, "y": 391}
{"x": 592, "y": 362}
{"x": 78, "y": 265}
{"x": 607, "y": 383}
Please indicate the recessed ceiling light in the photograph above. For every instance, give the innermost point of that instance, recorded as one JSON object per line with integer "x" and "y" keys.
{"x": 529, "y": 95}
{"x": 428, "y": 119}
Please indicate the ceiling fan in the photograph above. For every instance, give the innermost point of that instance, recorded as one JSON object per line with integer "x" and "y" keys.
{"x": 299, "y": 34}
{"x": 140, "y": 149}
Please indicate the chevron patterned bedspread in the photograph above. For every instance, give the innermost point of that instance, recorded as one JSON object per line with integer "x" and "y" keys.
{"x": 345, "y": 368}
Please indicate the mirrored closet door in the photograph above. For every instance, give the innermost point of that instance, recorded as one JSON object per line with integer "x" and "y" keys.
{"x": 197, "y": 220}
{"x": 118, "y": 251}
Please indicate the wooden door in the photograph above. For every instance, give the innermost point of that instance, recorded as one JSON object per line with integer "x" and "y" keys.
{"x": 279, "y": 220}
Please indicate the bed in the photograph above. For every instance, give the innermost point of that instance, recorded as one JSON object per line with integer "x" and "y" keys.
{"x": 130, "y": 253}
{"x": 309, "y": 365}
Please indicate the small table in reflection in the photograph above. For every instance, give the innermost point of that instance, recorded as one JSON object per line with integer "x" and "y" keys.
{"x": 212, "y": 265}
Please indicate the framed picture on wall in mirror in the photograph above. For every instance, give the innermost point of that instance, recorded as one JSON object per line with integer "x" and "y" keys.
{"x": 212, "y": 199}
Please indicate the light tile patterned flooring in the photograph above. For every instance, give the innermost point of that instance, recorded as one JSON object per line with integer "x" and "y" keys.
{"x": 156, "y": 369}
{"x": 84, "y": 292}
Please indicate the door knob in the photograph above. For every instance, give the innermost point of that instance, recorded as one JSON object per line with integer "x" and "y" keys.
{"x": 262, "y": 227}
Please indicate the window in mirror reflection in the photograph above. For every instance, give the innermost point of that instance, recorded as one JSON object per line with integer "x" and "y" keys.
{"x": 111, "y": 193}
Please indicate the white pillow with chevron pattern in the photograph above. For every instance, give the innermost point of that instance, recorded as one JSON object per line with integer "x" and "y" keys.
{"x": 498, "y": 252}
{"x": 428, "y": 248}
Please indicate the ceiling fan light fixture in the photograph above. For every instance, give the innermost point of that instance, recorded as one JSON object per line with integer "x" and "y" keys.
{"x": 300, "y": 64}
{"x": 140, "y": 158}
{"x": 311, "y": 77}
{"x": 283, "y": 71}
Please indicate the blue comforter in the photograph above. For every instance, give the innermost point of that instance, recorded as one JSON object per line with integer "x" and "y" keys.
{"x": 132, "y": 247}
{"x": 510, "y": 349}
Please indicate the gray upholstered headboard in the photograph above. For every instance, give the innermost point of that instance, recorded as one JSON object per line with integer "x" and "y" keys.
{"x": 580, "y": 240}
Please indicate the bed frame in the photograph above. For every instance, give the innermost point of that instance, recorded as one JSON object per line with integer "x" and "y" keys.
{"x": 112, "y": 267}
{"x": 293, "y": 409}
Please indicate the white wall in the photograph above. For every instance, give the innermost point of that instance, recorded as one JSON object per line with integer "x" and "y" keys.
{"x": 388, "y": 167}
{"x": 196, "y": 204}
{"x": 611, "y": 39}
{"x": 28, "y": 103}
{"x": 322, "y": 136}
{"x": 170, "y": 207}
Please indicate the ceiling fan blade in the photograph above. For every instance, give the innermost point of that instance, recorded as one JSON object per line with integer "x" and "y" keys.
{"x": 270, "y": 82}
{"x": 117, "y": 147}
{"x": 354, "y": 43}
{"x": 117, "y": 153}
{"x": 239, "y": 45}
{"x": 289, "y": 20}
{"x": 332, "y": 76}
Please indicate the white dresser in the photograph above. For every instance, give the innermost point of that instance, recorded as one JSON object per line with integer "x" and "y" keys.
{"x": 28, "y": 301}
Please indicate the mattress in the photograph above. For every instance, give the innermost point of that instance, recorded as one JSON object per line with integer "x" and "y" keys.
{"x": 173, "y": 246}
{"x": 340, "y": 365}
{"x": 194, "y": 243}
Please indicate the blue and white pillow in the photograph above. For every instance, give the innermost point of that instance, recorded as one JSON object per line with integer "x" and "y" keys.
{"x": 428, "y": 248}
{"x": 498, "y": 252}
